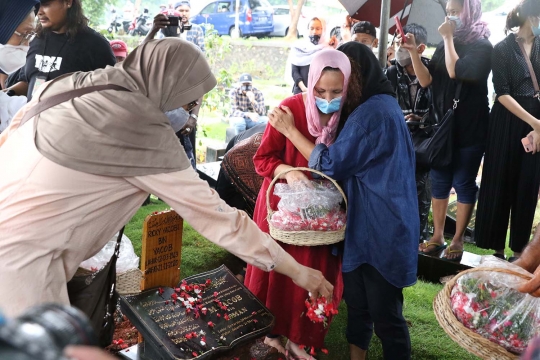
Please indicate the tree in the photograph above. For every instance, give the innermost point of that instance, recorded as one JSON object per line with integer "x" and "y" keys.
{"x": 95, "y": 10}
{"x": 295, "y": 16}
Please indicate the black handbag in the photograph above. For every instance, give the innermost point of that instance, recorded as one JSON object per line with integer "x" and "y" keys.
{"x": 434, "y": 143}
{"x": 94, "y": 294}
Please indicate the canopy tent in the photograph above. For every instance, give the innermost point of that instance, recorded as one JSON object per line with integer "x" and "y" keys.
{"x": 428, "y": 13}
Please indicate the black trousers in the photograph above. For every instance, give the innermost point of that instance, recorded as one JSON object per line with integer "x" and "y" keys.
{"x": 510, "y": 181}
{"x": 374, "y": 303}
{"x": 423, "y": 190}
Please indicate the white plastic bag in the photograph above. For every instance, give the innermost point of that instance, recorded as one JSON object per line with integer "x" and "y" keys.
{"x": 127, "y": 259}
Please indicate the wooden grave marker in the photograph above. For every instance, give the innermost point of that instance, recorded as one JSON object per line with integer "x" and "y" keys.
{"x": 161, "y": 249}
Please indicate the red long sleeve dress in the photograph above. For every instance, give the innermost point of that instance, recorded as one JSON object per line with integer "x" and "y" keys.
{"x": 285, "y": 299}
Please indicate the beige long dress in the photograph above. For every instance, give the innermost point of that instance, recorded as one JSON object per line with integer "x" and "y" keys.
{"x": 52, "y": 218}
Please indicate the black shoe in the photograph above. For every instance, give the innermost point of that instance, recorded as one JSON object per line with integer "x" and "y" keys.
{"x": 500, "y": 256}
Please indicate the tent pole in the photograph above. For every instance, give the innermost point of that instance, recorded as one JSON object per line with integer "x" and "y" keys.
{"x": 385, "y": 16}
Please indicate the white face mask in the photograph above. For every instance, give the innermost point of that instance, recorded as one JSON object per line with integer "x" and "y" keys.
{"x": 178, "y": 118}
{"x": 12, "y": 57}
{"x": 403, "y": 57}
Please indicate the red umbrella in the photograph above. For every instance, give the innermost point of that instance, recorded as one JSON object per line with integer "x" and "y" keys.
{"x": 429, "y": 13}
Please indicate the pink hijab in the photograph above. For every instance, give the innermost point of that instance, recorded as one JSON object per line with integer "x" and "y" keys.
{"x": 325, "y": 58}
{"x": 473, "y": 27}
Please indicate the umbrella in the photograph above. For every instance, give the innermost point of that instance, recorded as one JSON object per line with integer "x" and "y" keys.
{"x": 428, "y": 13}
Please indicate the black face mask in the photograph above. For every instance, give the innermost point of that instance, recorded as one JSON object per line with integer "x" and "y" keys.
{"x": 314, "y": 39}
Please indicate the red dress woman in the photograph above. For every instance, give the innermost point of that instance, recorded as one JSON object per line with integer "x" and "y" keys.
{"x": 275, "y": 154}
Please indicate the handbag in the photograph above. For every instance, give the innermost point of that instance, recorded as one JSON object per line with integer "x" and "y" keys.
{"x": 95, "y": 295}
{"x": 433, "y": 143}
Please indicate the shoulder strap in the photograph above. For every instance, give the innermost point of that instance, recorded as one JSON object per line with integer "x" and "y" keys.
{"x": 458, "y": 94}
{"x": 530, "y": 66}
{"x": 118, "y": 240}
{"x": 57, "y": 99}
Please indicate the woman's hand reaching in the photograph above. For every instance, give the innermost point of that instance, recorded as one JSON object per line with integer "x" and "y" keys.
{"x": 314, "y": 282}
{"x": 282, "y": 120}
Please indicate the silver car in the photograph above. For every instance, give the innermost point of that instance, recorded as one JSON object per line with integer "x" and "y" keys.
{"x": 282, "y": 21}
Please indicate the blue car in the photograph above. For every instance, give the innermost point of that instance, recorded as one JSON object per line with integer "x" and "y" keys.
{"x": 256, "y": 17}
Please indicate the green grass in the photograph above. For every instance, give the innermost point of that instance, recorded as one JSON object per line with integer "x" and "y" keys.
{"x": 429, "y": 341}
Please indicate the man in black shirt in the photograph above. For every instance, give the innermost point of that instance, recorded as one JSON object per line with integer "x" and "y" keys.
{"x": 64, "y": 44}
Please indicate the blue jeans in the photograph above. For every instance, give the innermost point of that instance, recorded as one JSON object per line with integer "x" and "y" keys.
{"x": 244, "y": 123}
{"x": 460, "y": 174}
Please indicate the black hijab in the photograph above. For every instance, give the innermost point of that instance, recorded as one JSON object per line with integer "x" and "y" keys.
{"x": 373, "y": 80}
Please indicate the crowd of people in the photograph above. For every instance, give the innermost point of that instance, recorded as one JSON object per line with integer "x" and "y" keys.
{"x": 74, "y": 172}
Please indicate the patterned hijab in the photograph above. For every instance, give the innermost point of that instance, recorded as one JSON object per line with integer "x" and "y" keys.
{"x": 473, "y": 27}
{"x": 325, "y": 58}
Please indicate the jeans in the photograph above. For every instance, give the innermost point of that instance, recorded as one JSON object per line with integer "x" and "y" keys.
{"x": 374, "y": 303}
{"x": 244, "y": 123}
{"x": 460, "y": 174}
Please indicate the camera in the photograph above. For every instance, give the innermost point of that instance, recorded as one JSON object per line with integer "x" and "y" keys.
{"x": 43, "y": 332}
{"x": 185, "y": 28}
{"x": 174, "y": 22}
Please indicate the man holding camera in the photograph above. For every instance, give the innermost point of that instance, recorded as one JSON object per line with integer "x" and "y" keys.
{"x": 247, "y": 106}
{"x": 192, "y": 32}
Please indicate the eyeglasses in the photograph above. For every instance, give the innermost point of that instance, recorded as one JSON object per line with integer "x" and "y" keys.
{"x": 27, "y": 37}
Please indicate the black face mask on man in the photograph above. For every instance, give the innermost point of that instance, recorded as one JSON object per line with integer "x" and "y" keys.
{"x": 314, "y": 39}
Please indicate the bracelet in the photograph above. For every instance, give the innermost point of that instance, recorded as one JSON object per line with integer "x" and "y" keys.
{"x": 194, "y": 116}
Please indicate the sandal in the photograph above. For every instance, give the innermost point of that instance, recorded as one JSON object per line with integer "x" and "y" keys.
{"x": 452, "y": 251}
{"x": 436, "y": 248}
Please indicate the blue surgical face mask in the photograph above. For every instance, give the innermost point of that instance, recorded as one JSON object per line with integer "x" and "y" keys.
{"x": 328, "y": 107}
{"x": 178, "y": 118}
{"x": 456, "y": 20}
{"x": 535, "y": 29}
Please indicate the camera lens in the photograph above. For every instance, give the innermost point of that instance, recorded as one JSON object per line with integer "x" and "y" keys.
{"x": 44, "y": 331}
{"x": 68, "y": 325}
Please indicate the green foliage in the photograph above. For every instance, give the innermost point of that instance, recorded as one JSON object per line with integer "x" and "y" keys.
{"x": 216, "y": 49}
{"x": 95, "y": 10}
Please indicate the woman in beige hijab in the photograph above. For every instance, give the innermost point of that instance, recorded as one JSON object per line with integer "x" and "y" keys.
{"x": 74, "y": 174}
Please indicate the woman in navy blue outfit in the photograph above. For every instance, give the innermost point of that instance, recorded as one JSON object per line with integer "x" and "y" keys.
{"x": 373, "y": 158}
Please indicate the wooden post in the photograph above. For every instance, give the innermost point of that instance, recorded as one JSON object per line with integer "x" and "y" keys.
{"x": 161, "y": 250}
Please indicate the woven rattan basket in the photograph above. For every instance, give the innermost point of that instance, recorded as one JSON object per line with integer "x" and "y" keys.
{"x": 304, "y": 238}
{"x": 129, "y": 282}
{"x": 464, "y": 337}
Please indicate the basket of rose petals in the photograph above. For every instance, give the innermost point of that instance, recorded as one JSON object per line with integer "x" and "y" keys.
{"x": 309, "y": 213}
{"x": 482, "y": 310}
